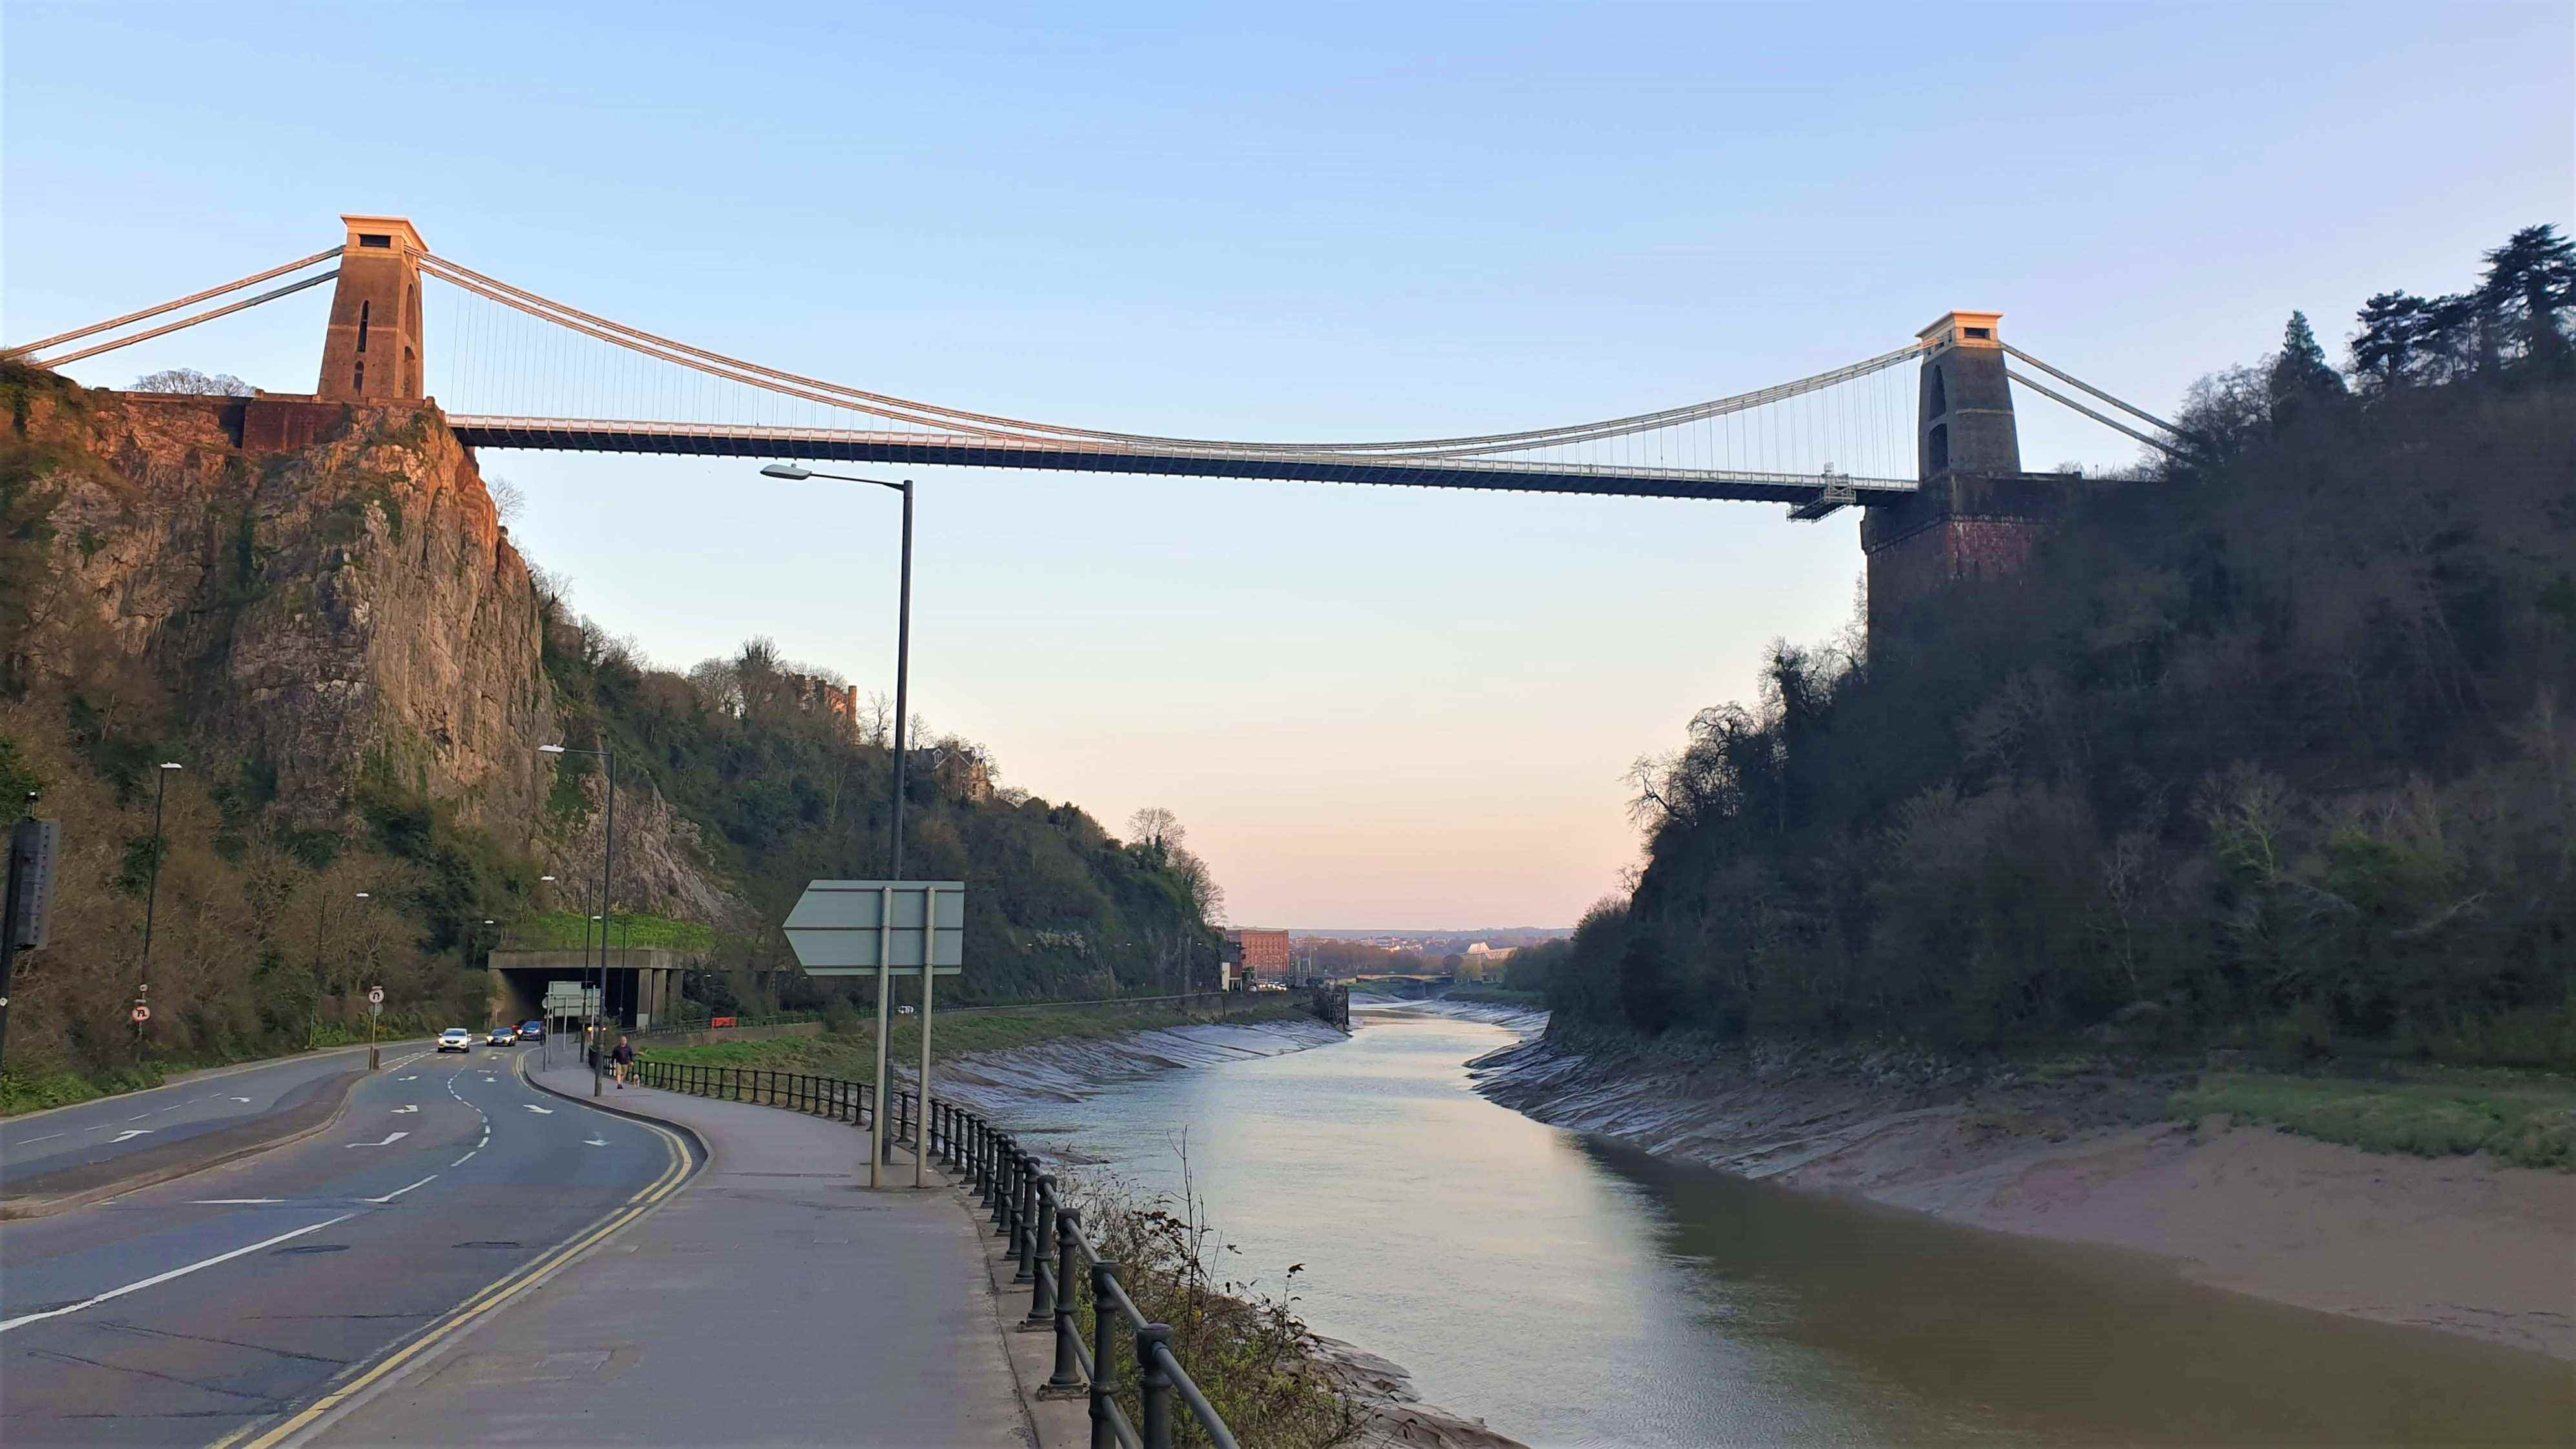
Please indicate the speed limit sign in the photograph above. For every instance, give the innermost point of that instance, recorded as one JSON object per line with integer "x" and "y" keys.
{"x": 375, "y": 996}
{"x": 142, "y": 1014}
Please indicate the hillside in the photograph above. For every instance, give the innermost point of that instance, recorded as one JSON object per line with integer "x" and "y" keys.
{"x": 2274, "y": 749}
{"x": 354, "y": 667}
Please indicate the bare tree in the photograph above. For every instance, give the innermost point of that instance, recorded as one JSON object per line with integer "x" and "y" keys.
{"x": 189, "y": 380}
{"x": 508, "y": 500}
{"x": 1156, "y": 829}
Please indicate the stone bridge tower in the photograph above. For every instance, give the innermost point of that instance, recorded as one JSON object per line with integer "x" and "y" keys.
{"x": 373, "y": 352}
{"x": 1978, "y": 514}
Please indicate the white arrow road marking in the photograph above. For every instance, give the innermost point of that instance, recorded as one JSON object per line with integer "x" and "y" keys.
{"x": 595, "y": 1142}
{"x": 131, "y": 1132}
{"x": 233, "y": 1201}
{"x": 140, "y": 1284}
{"x": 540, "y": 1111}
{"x": 397, "y": 1192}
{"x": 405, "y": 1107}
{"x": 390, "y": 1139}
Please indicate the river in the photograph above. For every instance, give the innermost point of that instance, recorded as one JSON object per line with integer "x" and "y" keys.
{"x": 1572, "y": 1292}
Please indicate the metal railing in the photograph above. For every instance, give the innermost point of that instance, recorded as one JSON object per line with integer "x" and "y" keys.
{"x": 1058, "y": 1262}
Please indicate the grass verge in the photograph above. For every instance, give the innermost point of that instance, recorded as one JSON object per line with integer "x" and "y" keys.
{"x": 2525, "y": 1121}
{"x": 851, "y": 1053}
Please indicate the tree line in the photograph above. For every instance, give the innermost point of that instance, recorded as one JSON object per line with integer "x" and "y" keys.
{"x": 2275, "y": 746}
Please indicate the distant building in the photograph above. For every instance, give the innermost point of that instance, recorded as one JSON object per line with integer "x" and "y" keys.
{"x": 1265, "y": 957}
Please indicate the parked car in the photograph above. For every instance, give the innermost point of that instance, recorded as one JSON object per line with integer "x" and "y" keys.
{"x": 456, "y": 1039}
{"x": 503, "y": 1035}
{"x": 532, "y": 1031}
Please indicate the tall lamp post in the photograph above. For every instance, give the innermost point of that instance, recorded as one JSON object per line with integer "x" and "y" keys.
{"x": 607, "y": 873}
{"x": 549, "y": 1016}
{"x": 902, "y": 674}
{"x": 151, "y": 899}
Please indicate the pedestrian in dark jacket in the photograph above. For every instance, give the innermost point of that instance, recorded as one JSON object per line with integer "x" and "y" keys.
{"x": 625, "y": 1058}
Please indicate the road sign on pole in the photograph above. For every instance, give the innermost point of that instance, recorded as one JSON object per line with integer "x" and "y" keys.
{"x": 885, "y": 929}
{"x": 142, "y": 1014}
{"x": 375, "y": 996}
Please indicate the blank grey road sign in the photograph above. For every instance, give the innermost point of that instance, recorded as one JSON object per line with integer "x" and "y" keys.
{"x": 835, "y": 927}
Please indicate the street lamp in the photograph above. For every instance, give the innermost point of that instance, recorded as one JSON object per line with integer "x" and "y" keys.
{"x": 902, "y": 635}
{"x": 902, "y": 671}
{"x": 151, "y": 899}
{"x": 607, "y": 873}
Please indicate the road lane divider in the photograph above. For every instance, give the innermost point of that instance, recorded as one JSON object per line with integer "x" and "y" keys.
{"x": 385, "y": 1371}
{"x": 159, "y": 1278}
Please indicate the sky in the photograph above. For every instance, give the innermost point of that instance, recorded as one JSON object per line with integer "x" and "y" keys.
{"x": 1370, "y": 707}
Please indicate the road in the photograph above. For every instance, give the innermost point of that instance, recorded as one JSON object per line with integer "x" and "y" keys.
{"x": 113, "y": 1127}
{"x": 184, "y": 1312}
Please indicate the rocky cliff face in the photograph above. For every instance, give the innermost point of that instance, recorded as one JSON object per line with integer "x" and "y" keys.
{"x": 325, "y": 620}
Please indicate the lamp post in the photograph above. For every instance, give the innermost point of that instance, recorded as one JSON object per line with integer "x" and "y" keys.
{"x": 902, "y": 707}
{"x": 151, "y": 900}
{"x": 607, "y": 873}
{"x": 902, "y": 634}
{"x": 371, "y": 1016}
{"x": 549, "y": 1015}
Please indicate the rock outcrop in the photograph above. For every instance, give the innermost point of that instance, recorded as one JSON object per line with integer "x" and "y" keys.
{"x": 330, "y": 620}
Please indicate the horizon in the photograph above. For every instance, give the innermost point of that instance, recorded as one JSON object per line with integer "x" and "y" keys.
{"x": 1363, "y": 703}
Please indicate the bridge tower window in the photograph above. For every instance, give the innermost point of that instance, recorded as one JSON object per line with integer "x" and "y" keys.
{"x": 363, "y": 309}
{"x": 376, "y": 239}
{"x": 359, "y": 384}
{"x": 1936, "y": 450}
{"x": 1940, "y": 396}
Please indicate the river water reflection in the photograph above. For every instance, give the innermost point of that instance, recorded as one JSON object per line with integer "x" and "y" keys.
{"x": 1574, "y": 1292}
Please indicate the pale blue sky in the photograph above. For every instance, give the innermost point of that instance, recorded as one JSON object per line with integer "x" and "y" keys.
{"x": 1372, "y": 707}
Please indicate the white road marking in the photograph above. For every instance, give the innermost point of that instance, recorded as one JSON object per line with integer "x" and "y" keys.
{"x": 244, "y": 1100}
{"x": 159, "y": 1278}
{"x": 407, "y": 1079}
{"x": 405, "y": 1107}
{"x": 232, "y": 1201}
{"x": 595, "y": 1142}
{"x": 48, "y": 1137}
{"x": 139, "y": 1116}
{"x": 397, "y": 1192}
{"x": 131, "y": 1132}
{"x": 468, "y": 1157}
{"x": 540, "y": 1111}
{"x": 390, "y": 1139}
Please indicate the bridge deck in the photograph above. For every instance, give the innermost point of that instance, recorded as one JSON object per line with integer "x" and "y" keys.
{"x": 970, "y": 451}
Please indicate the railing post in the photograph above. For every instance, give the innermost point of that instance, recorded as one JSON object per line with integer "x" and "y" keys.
{"x": 1002, "y": 1188}
{"x": 1104, "y": 1353}
{"x": 1155, "y": 1383}
{"x": 1068, "y": 1247}
{"x": 1041, "y": 1259}
{"x": 983, "y": 1162}
{"x": 1025, "y": 1230}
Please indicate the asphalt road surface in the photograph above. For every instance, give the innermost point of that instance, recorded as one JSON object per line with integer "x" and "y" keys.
{"x": 112, "y": 1127}
{"x": 184, "y": 1312}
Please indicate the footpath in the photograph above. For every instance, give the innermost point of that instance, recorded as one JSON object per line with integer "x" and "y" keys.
{"x": 775, "y": 1300}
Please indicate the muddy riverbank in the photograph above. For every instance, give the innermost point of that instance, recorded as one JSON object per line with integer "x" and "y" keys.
{"x": 2459, "y": 1244}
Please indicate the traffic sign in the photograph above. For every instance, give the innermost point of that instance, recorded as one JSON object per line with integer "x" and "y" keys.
{"x": 838, "y": 925}
{"x": 375, "y": 996}
{"x": 142, "y": 1014}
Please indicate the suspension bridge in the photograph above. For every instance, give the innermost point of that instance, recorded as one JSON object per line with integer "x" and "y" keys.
{"x": 1921, "y": 435}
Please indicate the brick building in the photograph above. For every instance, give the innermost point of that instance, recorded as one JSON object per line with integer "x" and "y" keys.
{"x": 1264, "y": 956}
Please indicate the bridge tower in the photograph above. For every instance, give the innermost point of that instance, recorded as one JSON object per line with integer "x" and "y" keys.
{"x": 372, "y": 352}
{"x": 1978, "y": 515}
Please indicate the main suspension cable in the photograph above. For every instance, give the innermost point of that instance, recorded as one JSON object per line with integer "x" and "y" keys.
{"x": 23, "y": 348}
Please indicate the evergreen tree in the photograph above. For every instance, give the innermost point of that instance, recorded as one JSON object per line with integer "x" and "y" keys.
{"x": 2532, "y": 279}
{"x": 2301, "y": 372}
{"x": 2392, "y": 329}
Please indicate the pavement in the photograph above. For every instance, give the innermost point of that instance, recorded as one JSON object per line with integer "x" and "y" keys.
{"x": 220, "y": 1304}
{"x": 193, "y": 1120}
{"x": 775, "y": 1300}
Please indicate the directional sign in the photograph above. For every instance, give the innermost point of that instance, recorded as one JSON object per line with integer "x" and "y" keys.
{"x": 837, "y": 926}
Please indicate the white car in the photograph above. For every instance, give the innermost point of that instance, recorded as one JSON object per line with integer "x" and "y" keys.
{"x": 456, "y": 1039}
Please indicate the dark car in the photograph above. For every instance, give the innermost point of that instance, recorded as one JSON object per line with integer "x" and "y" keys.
{"x": 532, "y": 1031}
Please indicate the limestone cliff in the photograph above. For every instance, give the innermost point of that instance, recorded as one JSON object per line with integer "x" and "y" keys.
{"x": 323, "y": 619}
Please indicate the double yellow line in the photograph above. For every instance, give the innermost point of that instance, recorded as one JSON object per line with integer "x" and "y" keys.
{"x": 491, "y": 1297}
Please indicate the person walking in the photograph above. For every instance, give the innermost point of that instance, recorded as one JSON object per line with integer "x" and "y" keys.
{"x": 624, "y": 1056}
